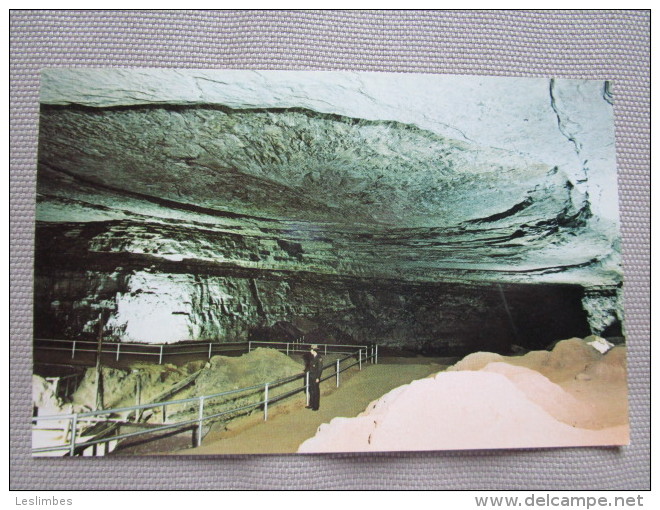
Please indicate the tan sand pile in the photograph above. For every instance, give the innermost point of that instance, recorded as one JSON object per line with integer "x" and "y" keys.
{"x": 220, "y": 374}
{"x": 572, "y": 396}
{"x": 225, "y": 374}
{"x": 611, "y": 368}
{"x": 120, "y": 386}
{"x": 259, "y": 366}
{"x": 476, "y": 361}
{"x": 566, "y": 359}
{"x": 550, "y": 396}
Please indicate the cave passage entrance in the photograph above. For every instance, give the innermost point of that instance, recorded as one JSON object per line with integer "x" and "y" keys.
{"x": 434, "y": 319}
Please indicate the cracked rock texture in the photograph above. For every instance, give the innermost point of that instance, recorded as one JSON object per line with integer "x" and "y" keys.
{"x": 428, "y": 212}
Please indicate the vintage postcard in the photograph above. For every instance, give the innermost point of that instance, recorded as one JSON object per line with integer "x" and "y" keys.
{"x": 278, "y": 262}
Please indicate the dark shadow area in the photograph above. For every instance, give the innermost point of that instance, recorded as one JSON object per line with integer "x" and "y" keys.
{"x": 157, "y": 442}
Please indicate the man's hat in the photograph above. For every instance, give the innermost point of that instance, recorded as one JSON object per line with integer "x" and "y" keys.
{"x": 313, "y": 346}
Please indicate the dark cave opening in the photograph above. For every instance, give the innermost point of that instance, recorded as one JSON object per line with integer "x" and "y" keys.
{"x": 457, "y": 319}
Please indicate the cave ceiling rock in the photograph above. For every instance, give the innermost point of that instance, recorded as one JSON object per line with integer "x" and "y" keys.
{"x": 518, "y": 183}
{"x": 293, "y": 165}
{"x": 524, "y": 115}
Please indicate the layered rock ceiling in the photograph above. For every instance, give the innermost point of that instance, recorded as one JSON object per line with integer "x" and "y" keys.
{"x": 439, "y": 213}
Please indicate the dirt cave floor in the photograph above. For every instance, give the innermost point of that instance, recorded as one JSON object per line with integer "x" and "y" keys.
{"x": 574, "y": 395}
{"x": 289, "y": 422}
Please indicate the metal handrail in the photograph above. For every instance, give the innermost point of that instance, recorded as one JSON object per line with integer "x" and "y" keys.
{"x": 76, "y": 418}
{"x": 308, "y": 344}
{"x": 139, "y": 349}
{"x": 114, "y": 347}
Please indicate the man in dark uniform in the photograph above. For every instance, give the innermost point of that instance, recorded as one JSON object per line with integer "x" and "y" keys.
{"x": 314, "y": 367}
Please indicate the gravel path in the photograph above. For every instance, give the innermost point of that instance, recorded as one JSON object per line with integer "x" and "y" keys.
{"x": 290, "y": 424}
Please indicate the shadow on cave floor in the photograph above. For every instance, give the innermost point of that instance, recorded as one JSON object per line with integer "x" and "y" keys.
{"x": 152, "y": 444}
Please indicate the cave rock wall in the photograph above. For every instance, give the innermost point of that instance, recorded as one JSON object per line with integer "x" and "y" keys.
{"x": 355, "y": 207}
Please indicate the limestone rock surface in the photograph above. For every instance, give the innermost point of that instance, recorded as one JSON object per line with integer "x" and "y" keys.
{"x": 205, "y": 204}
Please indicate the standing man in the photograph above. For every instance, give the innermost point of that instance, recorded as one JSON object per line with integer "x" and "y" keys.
{"x": 314, "y": 367}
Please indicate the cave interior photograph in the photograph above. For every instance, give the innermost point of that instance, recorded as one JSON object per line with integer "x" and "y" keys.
{"x": 426, "y": 225}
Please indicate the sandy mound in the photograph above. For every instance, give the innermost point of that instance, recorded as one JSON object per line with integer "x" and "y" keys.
{"x": 549, "y": 396}
{"x": 611, "y": 368}
{"x": 565, "y": 361}
{"x": 567, "y": 358}
{"x": 220, "y": 374}
{"x": 476, "y": 361}
{"x": 256, "y": 367}
{"x": 120, "y": 386}
{"x": 572, "y": 396}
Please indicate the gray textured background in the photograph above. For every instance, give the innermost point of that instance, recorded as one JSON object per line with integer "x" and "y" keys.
{"x": 593, "y": 44}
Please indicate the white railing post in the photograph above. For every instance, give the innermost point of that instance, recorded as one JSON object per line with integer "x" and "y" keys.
{"x": 74, "y": 426}
{"x": 73, "y": 350}
{"x": 249, "y": 346}
{"x": 325, "y": 349}
{"x": 67, "y": 429}
{"x": 266, "y": 402}
{"x": 287, "y": 348}
{"x": 376, "y": 354}
{"x": 201, "y": 421}
{"x": 210, "y": 350}
{"x": 307, "y": 387}
{"x": 360, "y": 358}
{"x": 138, "y": 397}
{"x": 118, "y": 344}
{"x": 337, "y": 373}
{"x": 160, "y": 359}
